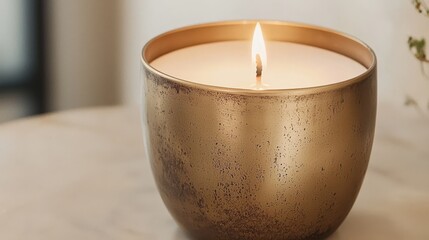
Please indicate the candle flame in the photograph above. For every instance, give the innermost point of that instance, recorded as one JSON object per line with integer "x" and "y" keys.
{"x": 259, "y": 54}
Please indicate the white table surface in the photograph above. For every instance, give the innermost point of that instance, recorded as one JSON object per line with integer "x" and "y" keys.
{"x": 82, "y": 175}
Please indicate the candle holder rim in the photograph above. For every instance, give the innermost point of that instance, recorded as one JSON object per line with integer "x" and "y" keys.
{"x": 370, "y": 71}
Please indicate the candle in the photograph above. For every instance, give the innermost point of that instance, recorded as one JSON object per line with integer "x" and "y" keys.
{"x": 248, "y": 145}
{"x": 232, "y": 64}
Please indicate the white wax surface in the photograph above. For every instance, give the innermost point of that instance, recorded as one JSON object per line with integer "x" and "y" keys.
{"x": 229, "y": 64}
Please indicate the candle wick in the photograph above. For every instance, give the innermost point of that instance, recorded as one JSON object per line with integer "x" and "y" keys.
{"x": 258, "y": 65}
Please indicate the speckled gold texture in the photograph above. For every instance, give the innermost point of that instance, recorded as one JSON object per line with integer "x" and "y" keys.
{"x": 237, "y": 164}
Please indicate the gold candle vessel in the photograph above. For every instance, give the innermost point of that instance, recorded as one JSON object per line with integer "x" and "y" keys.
{"x": 271, "y": 164}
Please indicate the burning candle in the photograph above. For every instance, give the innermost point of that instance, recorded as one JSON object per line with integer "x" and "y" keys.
{"x": 232, "y": 64}
{"x": 254, "y": 144}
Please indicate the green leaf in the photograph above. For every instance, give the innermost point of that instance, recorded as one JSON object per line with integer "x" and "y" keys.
{"x": 410, "y": 101}
{"x": 418, "y": 47}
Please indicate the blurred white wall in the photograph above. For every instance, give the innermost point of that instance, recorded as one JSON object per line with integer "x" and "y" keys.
{"x": 383, "y": 24}
{"x": 83, "y": 62}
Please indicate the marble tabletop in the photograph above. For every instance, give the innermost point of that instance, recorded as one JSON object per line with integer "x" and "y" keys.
{"x": 82, "y": 175}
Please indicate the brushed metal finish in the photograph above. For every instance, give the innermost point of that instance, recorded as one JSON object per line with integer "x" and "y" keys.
{"x": 238, "y": 164}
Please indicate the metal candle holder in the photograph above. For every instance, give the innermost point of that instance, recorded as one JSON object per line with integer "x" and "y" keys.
{"x": 272, "y": 164}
